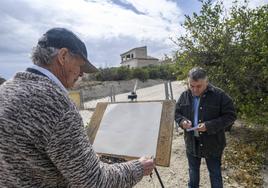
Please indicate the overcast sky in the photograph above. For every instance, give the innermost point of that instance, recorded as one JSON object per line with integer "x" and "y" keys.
{"x": 108, "y": 27}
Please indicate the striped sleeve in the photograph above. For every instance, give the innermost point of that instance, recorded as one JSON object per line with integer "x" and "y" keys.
{"x": 72, "y": 154}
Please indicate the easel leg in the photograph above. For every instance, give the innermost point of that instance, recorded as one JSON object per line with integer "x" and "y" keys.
{"x": 159, "y": 178}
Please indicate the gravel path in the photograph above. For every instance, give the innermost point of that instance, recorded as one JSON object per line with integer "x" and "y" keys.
{"x": 177, "y": 174}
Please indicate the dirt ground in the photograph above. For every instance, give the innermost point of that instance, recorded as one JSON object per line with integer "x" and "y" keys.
{"x": 177, "y": 174}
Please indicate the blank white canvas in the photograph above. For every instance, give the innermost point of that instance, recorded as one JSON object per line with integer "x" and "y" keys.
{"x": 129, "y": 129}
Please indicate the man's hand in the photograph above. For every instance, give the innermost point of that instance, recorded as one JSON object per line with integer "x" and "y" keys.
{"x": 202, "y": 127}
{"x": 148, "y": 165}
{"x": 186, "y": 124}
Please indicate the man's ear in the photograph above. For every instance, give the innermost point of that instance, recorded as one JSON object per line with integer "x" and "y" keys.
{"x": 62, "y": 56}
{"x": 187, "y": 82}
{"x": 207, "y": 81}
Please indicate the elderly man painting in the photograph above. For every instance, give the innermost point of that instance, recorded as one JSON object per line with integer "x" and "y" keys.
{"x": 42, "y": 139}
{"x": 204, "y": 111}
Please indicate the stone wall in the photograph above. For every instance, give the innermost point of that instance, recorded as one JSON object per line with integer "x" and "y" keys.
{"x": 103, "y": 89}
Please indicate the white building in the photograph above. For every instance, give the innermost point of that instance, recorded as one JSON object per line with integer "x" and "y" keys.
{"x": 137, "y": 57}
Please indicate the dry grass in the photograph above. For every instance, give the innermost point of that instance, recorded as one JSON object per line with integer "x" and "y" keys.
{"x": 245, "y": 155}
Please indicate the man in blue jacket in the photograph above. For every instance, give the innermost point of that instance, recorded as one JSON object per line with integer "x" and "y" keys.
{"x": 204, "y": 112}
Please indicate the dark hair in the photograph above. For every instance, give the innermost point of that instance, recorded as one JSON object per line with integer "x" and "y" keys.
{"x": 197, "y": 73}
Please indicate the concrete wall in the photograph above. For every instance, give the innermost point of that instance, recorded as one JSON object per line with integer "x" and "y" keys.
{"x": 146, "y": 62}
{"x": 137, "y": 58}
{"x": 131, "y": 63}
{"x": 134, "y": 53}
{"x": 140, "y": 52}
{"x": 104, "y": 89}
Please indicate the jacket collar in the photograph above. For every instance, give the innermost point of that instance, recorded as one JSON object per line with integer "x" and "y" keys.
{"x": 210, "y": 87}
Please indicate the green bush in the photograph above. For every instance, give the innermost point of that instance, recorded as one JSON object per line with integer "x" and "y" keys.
{"x": 153, "y": 72}
{"x": 141, "y": 74}
{"x": 123, "y": 73}
{"x": 107, "y": 74}
{"x": 165, "y": 72}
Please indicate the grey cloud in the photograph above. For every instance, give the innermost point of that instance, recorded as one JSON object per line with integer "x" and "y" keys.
{"x": 128, "y": 6}
{"x": 21, "y": 25}
{"x": 18, "y": 26}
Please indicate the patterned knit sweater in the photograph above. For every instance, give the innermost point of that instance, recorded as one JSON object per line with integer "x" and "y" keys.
{"x": 43, "y": 141}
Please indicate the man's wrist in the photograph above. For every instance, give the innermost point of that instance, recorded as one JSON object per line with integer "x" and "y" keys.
{"x": 181, "y": 123}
